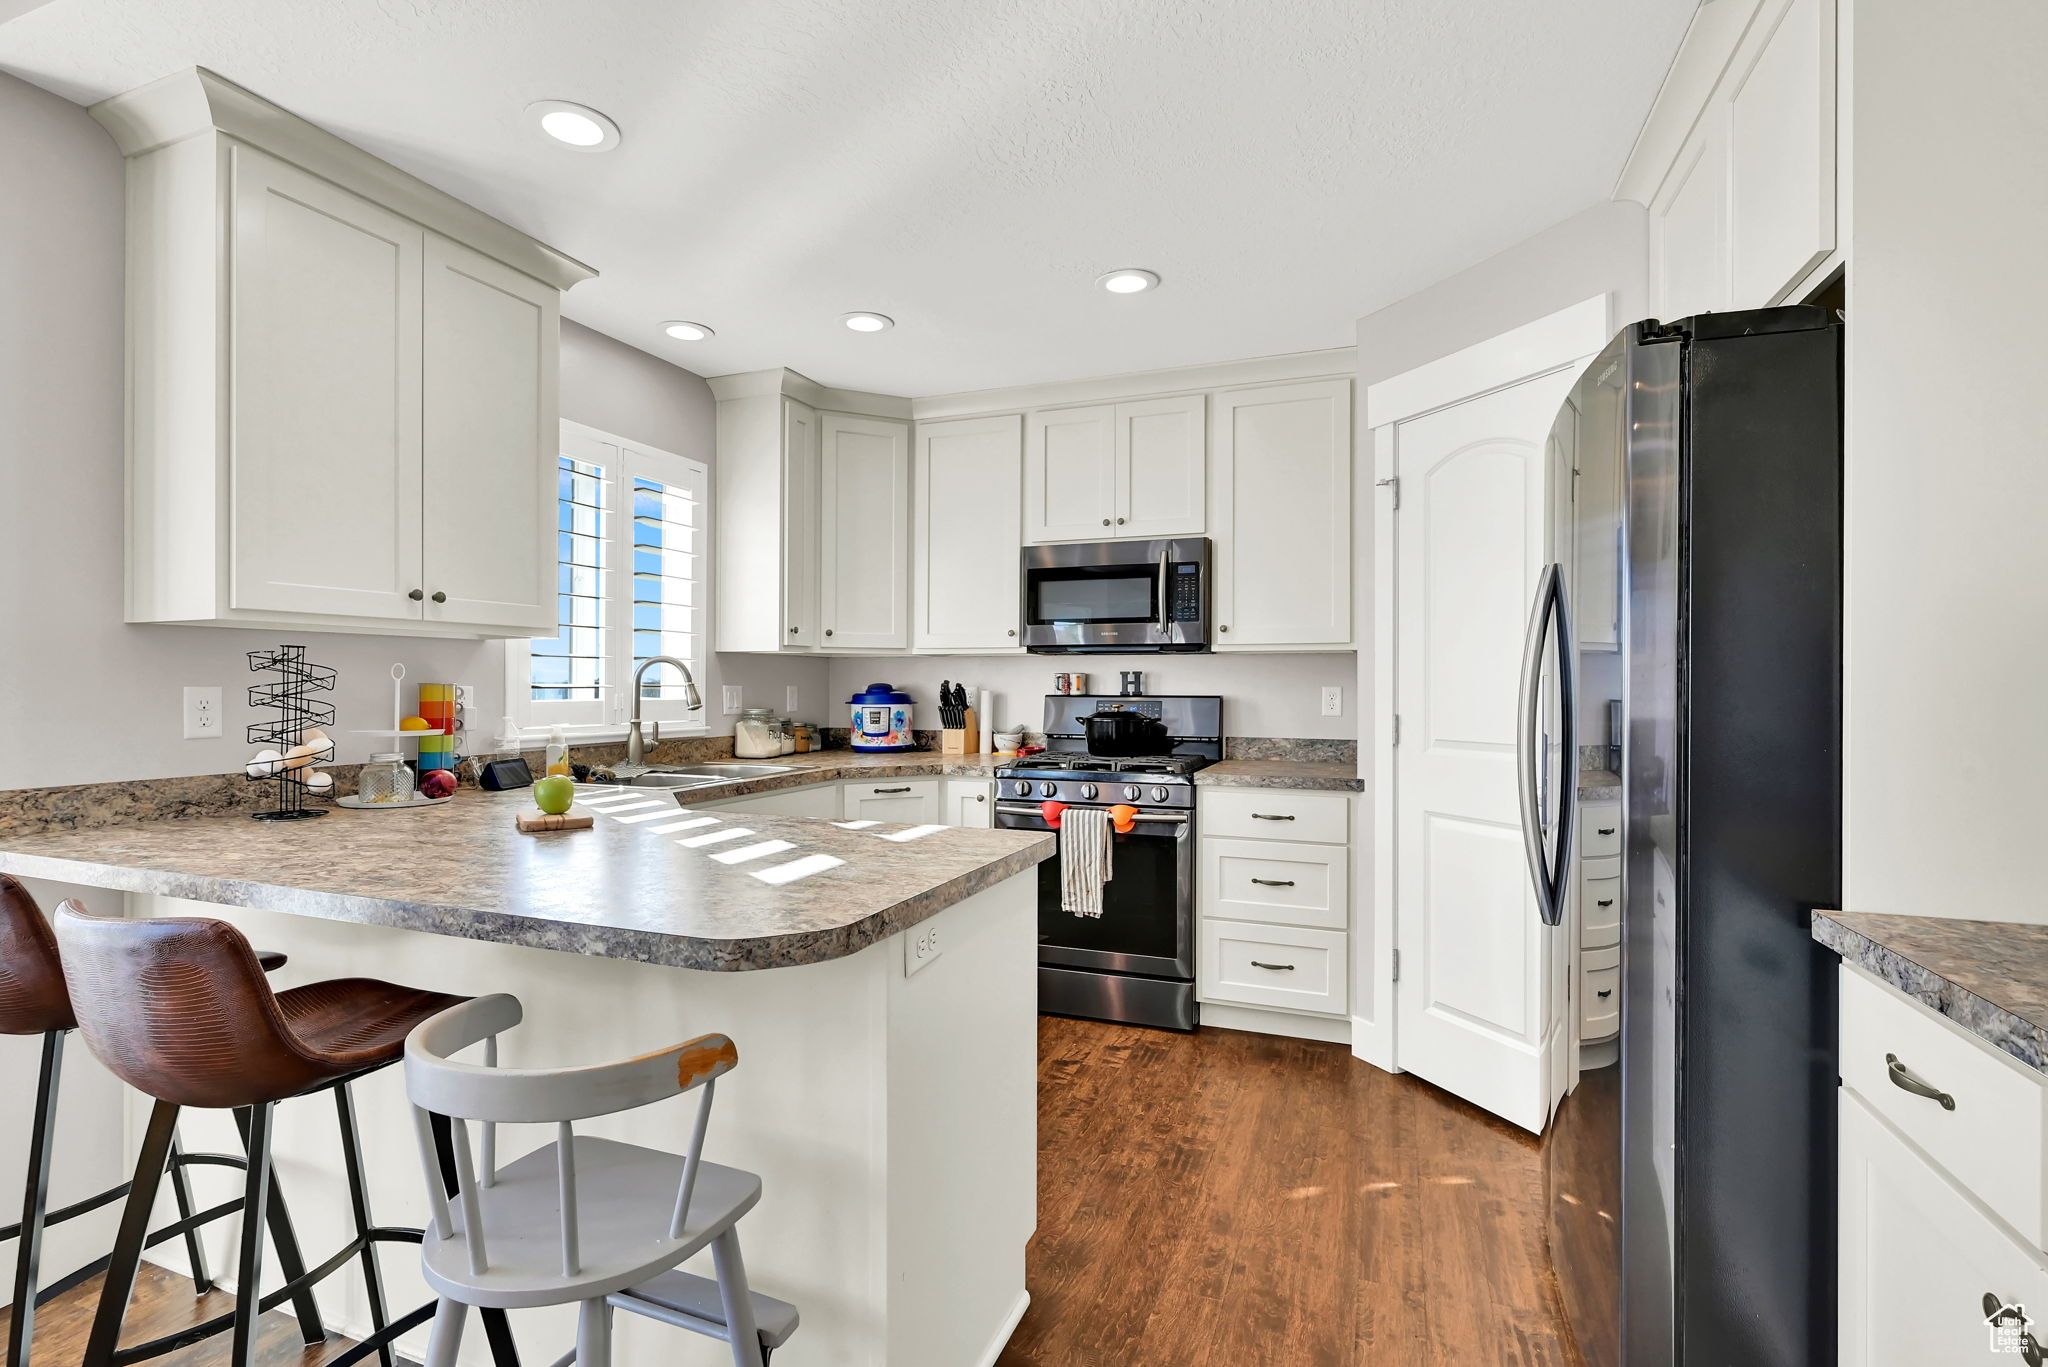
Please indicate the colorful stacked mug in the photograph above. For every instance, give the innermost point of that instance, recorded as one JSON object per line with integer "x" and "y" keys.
{"x": 437, "y": 710}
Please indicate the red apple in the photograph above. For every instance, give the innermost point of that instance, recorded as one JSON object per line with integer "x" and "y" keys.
{"x": 437, "y": 783}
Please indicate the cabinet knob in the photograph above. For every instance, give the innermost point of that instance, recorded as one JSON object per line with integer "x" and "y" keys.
{"x": 440, "y": 597}
{"x": 792, "y": 631}
{"x": 1105, "y": 522}
{"x": 417, "y": 594}
{"x": 1223, "y": 628}
{"x": 1119, "y": 522}
{"x": 1013, "y": 631}
{"x": 828, "y": 631}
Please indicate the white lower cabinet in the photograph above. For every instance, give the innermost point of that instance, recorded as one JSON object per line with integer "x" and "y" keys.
{"x": 1274, "y": 893}
{"x": 821, "y": 801}
{"x": 1918, "y": 1258}
{"x": 968, "y": 802}
{"x": 914, "y": 801}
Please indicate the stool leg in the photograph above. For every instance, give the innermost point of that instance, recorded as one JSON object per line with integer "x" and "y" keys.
{"x": 446, "y": 1335}
{"x": 289, "y": 1260}
{"x": 740, "y": 1328}
{"x": 249, "y": 1268}
{"x": 195, "y": 1252}
{"x": 35, "y": 1201}
{"x": 359, "y": 1203}
{"x": 594, "y": 1334}
{"x": 127, "y": 1255}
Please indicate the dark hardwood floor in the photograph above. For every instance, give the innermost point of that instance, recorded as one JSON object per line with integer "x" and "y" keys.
{"x": 1210, "y": 1200}
{"x": 1233, "y": 1200}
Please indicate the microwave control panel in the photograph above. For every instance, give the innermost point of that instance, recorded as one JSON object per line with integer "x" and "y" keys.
{"x": 1187, "y": 593}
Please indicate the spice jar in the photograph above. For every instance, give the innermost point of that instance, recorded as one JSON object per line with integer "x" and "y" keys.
{"x": 788, "y": 735}
{"x": 386, "y": 778}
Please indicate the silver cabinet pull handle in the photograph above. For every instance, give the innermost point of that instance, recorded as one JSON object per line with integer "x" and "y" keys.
{"x": 904, "y": 789}
{"x": 1906, "y": 1080}
{"x": 1277, "y": 968}
{"x": 1269, "y": 816}
{"x": 1274, "y": 882}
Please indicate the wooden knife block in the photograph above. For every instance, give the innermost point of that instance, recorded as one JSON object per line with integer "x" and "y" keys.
{"x": 966, "y": 741}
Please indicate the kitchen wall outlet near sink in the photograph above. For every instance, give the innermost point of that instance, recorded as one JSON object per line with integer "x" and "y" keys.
{"x": 920, "y": 947}
{"x": 202, "y": 713}
{"x": 1333, "y": 701}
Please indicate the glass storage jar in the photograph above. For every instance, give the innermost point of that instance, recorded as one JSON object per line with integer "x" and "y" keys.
{"x": 788, "y": 735}
{"x": 757, "y": 734}
{"x": 386, "y": 778}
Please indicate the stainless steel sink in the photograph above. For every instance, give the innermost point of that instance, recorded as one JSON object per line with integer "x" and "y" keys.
{"x": 658, "y": 779}
{"x": 702, "y": 775}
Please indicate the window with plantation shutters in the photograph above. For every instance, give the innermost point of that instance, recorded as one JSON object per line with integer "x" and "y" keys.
{"x": 629, "y": 559}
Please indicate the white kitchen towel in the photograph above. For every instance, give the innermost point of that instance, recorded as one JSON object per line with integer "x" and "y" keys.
{"x": 1085, "y": 850}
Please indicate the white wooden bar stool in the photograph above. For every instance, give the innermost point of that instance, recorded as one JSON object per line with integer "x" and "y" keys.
{"x": 590, "y": 1221}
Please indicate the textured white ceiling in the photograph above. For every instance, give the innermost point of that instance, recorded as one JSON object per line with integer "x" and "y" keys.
{"x": 965, "y": 166}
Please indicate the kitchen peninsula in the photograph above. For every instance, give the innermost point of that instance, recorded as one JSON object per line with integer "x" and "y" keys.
{"x": 877, "y": 979}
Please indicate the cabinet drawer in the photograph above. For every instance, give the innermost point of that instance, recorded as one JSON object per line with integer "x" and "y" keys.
{"x": 1276, "y": 814}
{"x": 1600, "y": 905}
{"x": 1277, "y": 881}
{"x": 913, "y": 800}
{"x": 1261, "y": 965}
{"x": 1599, "y": 993}
{"x": 1599, "y": 830}
{"x": 1990, "y": 1143}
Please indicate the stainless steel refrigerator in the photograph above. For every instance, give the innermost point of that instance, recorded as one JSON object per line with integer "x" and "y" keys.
{"x": 1692, "y": 1181}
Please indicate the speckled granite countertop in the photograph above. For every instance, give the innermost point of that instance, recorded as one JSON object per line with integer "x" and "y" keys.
{"x": 1597, "y": 785}
{"x": 1317, "y": 775}
{"x": 1990, "y": 977}
{"x": 641, "y": 885}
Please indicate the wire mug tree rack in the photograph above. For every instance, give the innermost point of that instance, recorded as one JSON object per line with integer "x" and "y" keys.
{"x": 297, "y": 711}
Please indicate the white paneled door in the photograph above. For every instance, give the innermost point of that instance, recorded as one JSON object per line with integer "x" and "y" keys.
{"x": 1474, "y": 1010}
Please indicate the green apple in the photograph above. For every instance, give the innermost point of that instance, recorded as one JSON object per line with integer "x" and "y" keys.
{"x": 554, "y": 795}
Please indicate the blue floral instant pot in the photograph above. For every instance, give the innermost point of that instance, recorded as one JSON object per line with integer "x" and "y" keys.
{"x": 881, "y": 719}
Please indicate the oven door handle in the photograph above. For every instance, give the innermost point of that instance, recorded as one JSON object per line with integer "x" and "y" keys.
{"x": 1149, "y": 818}
{"x": 1165, "y": 604}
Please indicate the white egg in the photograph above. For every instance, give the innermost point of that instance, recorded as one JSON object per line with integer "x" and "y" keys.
{"x": 264, "y": 765}
{"x": 318, "y": 781}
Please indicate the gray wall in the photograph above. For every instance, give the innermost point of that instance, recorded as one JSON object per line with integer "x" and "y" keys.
{"x": 85, "y": 697}
{"x": 1263, "y": 695}
{"x": 1605, "y": 249}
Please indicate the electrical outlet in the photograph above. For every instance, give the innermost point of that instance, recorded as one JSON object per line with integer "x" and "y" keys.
{"x": 733, "y": 706}
{"x": 1333, "y": 701}
{"x": 789, "y": 700}
{"x": 465, "y": 695}
{"x": 202, "y": 713}
{"x": 920, "y": 947}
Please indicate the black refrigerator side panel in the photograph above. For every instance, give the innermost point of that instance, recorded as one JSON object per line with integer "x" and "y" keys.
{"x": 1762, "y": 727}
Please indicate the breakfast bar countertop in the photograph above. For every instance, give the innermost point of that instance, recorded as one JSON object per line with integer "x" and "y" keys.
{"x": 641, "y": 885}
{"x": 1989, "y": 977}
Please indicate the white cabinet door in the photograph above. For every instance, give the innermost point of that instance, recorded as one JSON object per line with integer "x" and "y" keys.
{"x": 1070, "y": 468}
{"x": 1161, "y": 458}
{"x": 866, "y": 493}
{"x": 1781, "y": 152}
{"x": 1282, "y": 485}
{"x": 969, "y": 802}
{"x": 1688, "y": 224}
{"x": 800, "y": 525}
{"x": 822, "y": 802}
{"x": 490, "y": 437}
{"x": 325, "y": 438}
{"x": 1917, "y": 1258}
{"x": 967, "y": 510}
{"x": 914, "y": 801}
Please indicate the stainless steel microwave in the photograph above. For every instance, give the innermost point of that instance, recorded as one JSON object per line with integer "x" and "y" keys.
{"x": 1117, "y": 597}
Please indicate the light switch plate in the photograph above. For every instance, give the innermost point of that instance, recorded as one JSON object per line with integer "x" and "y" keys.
{"x": 733, "y": 705}
{"x": 789, "y": 700}
{"x": 202, "y": 713}
{"x": 1333, "y": 701}
{"x": 920, "y": 947}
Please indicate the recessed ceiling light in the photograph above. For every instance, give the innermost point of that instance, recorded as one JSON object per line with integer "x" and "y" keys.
{"x": 869, "y": 322}
{"x": 1129, "y": 280}
{"x": 575, "y": 125}
{"x": 687, "y": 332}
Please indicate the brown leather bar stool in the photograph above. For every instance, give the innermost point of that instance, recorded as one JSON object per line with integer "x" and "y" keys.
{"x": 33, "y": 1001}
{"x": 178, "y": 1009}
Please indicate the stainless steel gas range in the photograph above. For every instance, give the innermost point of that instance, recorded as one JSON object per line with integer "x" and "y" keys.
{"x": 1136, "y": 962}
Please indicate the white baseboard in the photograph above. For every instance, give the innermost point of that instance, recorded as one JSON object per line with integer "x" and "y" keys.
{"x": 1329, "y": 1029}
{"x": 1009, "y": 1326}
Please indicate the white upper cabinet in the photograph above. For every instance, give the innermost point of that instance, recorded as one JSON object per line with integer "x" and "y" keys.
{"x": 1070, "y": 477}
{"x": 1737, "y": 161}
{"x": 1160, "y": 467}
{"x": 1131, "y": 469}
{"x": 491, "y": 346}
{"x": 865, "y": 493}
{"x": 801, "y": 526}
{"x": 1281, "y": 487}
{"x": 341, "y": 382}
{"x": 969, "y": 487}
{"x": 767, "y": 523}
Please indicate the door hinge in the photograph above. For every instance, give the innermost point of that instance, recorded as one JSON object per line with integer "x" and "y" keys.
{"x": 1393, "y": 486}
{"x": 1397, "y": 965}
